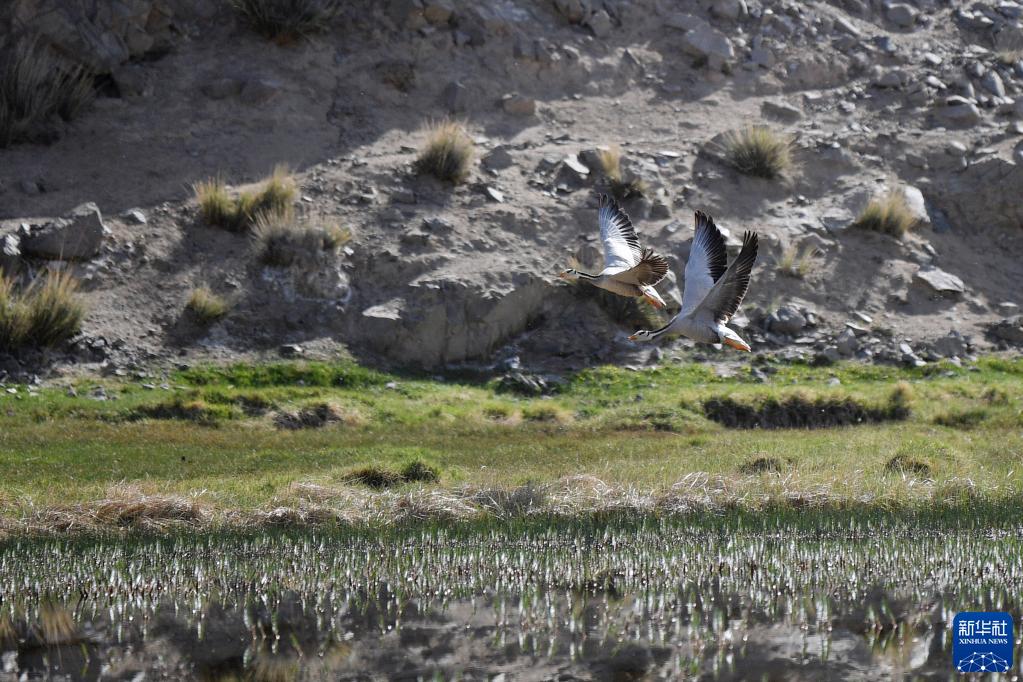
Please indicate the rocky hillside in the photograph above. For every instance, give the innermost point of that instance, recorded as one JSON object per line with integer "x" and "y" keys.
{"x": 923, "y": 100}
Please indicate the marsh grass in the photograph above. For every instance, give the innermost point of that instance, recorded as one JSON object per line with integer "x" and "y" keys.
{"x": 641, "y": 432}
{"x": 799, "y": 262}
{"x": 380, "y": 477}
{"x": 610, "y": 159}
{"x": 803, "y": 411}
{"x": 448, "y": 152}
{"x": 36, "y": 86}
{"x": 285, "y": 21}
{"x": 272, "y": 202}
{"x": 758, "y": 151}
{"x": 205, "y": 306}
{"x": 46, "y": 313}
{"x": 888, "y": 214}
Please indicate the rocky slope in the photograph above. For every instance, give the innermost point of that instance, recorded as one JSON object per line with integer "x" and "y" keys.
{"x": 924, "y": 97}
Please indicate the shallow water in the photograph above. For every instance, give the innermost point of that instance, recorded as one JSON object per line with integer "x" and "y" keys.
{"x": 606, "y": 600}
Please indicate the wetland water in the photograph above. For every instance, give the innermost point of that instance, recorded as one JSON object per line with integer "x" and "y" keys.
{"x": 604, "y": 599}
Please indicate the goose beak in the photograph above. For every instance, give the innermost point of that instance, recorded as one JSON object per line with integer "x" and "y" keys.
{"x": 736, "y": 344}
{"x": 633, "y": 337}
{"x": 562, "y": 275}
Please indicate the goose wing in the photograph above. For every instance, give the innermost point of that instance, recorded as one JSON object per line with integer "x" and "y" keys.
{"x": 724, "y": 298}
{"x": 706, "y": 264}
{"x": 621, "y": 244}
{"x": 624, "y": 259}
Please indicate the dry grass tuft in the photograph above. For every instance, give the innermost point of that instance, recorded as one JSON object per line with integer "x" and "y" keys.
{"x": 273, "y": 201}
{"x": 758, "y": 151}
{"x": 46, "y": 313}
{"x": 546, "y": 413}
{"x": 205, "y": 306}
{"x": 611, "y": 166}
{"x": 901, "y": 464}
{"x": 279, "y": 240}
{"x": 888, "y": 214}
{"x": 378, "y": 477}
{"x": 35, "y": 86}
{"x": 285, "y": 21}
{"x": 448, "y": 152}
{"x": 798, "y": 263}
{"x": 317, "y": 416}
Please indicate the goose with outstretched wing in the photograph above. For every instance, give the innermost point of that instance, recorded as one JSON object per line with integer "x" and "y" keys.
{"x": 628, "y": 269}
{"x": 713, "y": 291}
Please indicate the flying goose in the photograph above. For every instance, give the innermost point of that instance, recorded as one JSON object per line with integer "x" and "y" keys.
{"x": 712, "y": 292}
{"x": 628, "y": 269}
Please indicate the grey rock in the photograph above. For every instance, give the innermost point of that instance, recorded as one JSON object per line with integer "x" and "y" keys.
{"x": 762, "y": 56}
{"x": 961, "y": 111}
{"x": 132, "y": 80}
{"x": 732, "y": 10}
{"x": 135, "y": 216}
{"x": 517, "y": 105}
{"x": 415, "y": 238}
{"x": 902, "y": 15}
{"x": 708, "y": 43}
{"x": 438, "y": 12}
{"x": 78, "y": 235}
{"x": 498, "y": 159}
{"x": 847, "y": 343}
{"x": 940, "y": 281}
{"x": 438, "y": 225}
{"x": 951, "y": 345}
{"x": 782, "y": 111}
{"x": 896, "y": 78}
{"x": 290, "y": 350}
{"x": 494, "y": 194}
{"x": 1008, "y": 330}
{"x": 572, "y": 172}
{"x": 600, "y": 23}
{"x": 455, "y": 97}
{"x": 29, "y": 187}
{"x": 573, "y": 10}
{"x": 843, "y": 25}
{"x": 786, "y": 320}
{"x": 992, "y": 82}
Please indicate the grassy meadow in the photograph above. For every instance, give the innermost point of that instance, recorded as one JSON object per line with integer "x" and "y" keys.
{"x": 216, "y": 444}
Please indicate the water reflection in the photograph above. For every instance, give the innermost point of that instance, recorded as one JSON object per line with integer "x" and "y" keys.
{"x": 562, "y": 635}
{"x": 628, "y": 602}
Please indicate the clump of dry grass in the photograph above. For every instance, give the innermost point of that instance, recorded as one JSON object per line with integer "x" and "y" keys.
{"x": 758, "y": 151}
{"x": 379, "y": 477}
{"x": 273, "y": 201}
{"x": 34, "y": 87}
{"x": 279, "y": 240}
{"x": 285, "y": 21}
{"x": 546, "y": 413}
{"x": 205, "y": 306}
{"x": 611, "y": 166}
{"x": 889, "y": 214}
{"x": 46, "y": 313}
{"x": 318, "y": 415}
{"x": 448, "y": 152}
{"x": 798, "y": 263}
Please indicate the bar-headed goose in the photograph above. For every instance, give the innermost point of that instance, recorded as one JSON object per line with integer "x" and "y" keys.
{"x": 712, "y": 291}
{"x": 628, "y": 269}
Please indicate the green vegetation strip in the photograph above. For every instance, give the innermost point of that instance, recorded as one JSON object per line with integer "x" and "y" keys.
{"x": 241, "y": 441}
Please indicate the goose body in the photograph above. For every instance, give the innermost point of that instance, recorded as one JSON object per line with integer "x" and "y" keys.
{"x": 713, "y": 289}
{"x": 629, "y": 270}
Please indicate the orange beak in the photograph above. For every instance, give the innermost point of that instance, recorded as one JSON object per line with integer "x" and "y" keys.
{"x": 562, "y": 275}
{"x": 633, "y": 337}
{"x": 737, "y": 345}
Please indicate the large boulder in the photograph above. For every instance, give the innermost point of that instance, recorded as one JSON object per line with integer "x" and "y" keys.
{"x": 442, "y": 318}
{"x": 78, "y": 235}
{"x": 100, "y": 35}
{"x": 707, "y": 43}
{"x": 1008, "y": 330}
{"x": 985, "y": 195}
